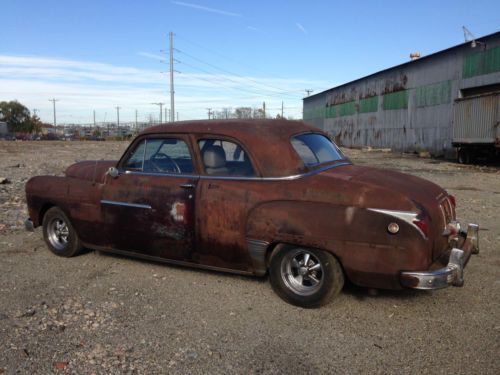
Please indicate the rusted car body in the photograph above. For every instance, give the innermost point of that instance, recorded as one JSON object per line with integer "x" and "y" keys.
{"x": 385, "y": 229}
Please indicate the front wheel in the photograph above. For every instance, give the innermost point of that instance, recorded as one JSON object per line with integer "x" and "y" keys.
{"x": 59, "y": 234}
{"x": 305, "y": 277}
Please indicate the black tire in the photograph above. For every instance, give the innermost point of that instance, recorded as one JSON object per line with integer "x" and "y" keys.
{"x": 59, "y": 234}
{"x": 305, "y": 286}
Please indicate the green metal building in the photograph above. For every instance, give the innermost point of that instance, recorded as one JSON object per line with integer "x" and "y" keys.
{"x": 409, "y": 107}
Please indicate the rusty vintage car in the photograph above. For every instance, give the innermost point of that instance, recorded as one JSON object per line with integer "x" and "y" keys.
{"x": 257, "y": 197}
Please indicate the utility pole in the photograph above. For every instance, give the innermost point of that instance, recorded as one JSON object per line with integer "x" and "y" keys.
{"x": 177, "y": 116}
{"x": 161, "y": 110}
{"x": 264, "y": 109}
{"x": 282, "y": 109}
{"x": 118, "y": 120}
{"x": 94, "y": 118}
{"x": 209, "y": 112}
{"x": 54, "y": 107}
{"x": 136, "y": 120}
{"x": 308, "y": 91}
{"x": 172, "y": 110}
{"x": 166, "y": 117}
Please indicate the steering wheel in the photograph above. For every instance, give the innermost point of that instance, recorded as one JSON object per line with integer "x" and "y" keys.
{"x": 155, "y": 159}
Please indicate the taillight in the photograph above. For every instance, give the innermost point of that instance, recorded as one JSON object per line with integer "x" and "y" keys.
{"x": 422, "y": 224}
{"x": 452, "y": 200}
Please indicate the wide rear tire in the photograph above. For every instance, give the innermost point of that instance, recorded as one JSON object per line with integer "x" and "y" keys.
{"x": 59, "y": 234}
{"x": 305, "y": 277}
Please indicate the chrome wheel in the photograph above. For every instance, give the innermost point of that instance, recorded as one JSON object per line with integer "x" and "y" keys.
{"x": 302, "y": 272}
{"x": 58, "y": 233}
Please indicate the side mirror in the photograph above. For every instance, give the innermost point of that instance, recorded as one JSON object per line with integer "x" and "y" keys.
{"x": 112, "y": 172}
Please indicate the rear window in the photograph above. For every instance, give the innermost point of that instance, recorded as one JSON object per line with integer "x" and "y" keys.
{"x": 315, "y": 149}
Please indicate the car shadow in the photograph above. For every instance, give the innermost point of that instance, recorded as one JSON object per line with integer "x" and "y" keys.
{"x": 363, "y": 293}
{"x": 349, "y": 289}
{"x": 186, "y": 268}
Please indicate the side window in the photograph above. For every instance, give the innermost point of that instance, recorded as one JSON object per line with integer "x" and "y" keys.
{"x": 315, "y": 149}
{"x": 136, "y": 158}
{"x": 224, "y": 158}
{"x": 161, "y": 155}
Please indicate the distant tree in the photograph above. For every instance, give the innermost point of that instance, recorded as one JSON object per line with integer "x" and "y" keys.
{"x": 243, "y": 112}
{"x": 16, "y": 115}
{"x": 258, "y": 113}
{"x": 227, "y": 113}
{"x": 35, "y": 125}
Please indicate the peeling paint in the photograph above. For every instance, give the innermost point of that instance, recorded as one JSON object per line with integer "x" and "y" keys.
{"x": 178, "y": 211}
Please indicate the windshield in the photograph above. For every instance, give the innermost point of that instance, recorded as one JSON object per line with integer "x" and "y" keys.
{"x": 315, "y": 149}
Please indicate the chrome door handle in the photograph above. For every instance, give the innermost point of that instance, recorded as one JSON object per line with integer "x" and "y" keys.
{"x": 187, "y": 186}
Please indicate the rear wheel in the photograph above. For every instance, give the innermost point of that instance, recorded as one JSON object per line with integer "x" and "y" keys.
{"x": 59, "y": 234}
{"x": 305, "y": 277}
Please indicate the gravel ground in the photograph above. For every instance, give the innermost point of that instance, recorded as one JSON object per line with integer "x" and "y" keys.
{"x": 99, "y": 313}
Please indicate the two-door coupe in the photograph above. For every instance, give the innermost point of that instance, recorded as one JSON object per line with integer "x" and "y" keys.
{"x": 257, "y": 197}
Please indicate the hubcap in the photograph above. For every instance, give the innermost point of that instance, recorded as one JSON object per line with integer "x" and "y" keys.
{"x": 302, "y": 272}
{"x": 58, "y": 233}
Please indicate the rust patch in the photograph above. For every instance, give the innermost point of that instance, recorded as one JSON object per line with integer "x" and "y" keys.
{"x": 178, "y": 211}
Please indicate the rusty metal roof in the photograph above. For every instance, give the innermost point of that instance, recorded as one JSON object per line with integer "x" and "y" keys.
{"x": 235, "y": 127}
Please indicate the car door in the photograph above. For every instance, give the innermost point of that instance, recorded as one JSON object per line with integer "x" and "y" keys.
{"x": 226, "y": 191}
{"x": 149, "y": 208}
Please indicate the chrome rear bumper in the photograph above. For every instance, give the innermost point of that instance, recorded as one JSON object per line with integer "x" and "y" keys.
{"x": 453, "y": 273}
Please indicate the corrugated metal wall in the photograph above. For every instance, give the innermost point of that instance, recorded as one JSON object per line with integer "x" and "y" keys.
{"x": 476, "y": 120}
{"x": 408, "y": 107}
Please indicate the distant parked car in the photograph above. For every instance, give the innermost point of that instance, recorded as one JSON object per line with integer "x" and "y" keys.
{"x": 257, "y": 197}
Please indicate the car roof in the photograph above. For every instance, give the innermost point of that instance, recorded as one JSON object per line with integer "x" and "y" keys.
{"x": 267, "y": 141}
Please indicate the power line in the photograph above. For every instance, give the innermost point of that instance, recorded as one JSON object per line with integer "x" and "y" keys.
{"x": 280, "y": 90}
{"x": 224, "y": 56}
{"x": 233, "y": 88}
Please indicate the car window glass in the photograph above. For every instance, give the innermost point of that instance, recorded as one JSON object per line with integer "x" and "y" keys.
{"x": 316, "y": 149}
{"x": 161, "y": 155}
{"x": 225, "y": 158}
{"x": 135, "y": 160}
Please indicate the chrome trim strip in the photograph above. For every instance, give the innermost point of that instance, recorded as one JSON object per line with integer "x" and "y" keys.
{"x": 407, "y": 216}
{"x": 180, "y": 175}
{"x": 238, "y": 178}
{"x": 126, "y": 204}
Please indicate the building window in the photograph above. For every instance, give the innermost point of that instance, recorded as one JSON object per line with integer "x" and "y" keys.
{"x": 435, "y": 94}
{"x": 480, "y": 63}
{"x": 396, "y": 100}
{"x": 367, "y": 105}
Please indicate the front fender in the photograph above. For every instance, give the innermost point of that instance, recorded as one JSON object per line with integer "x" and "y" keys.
{"x": 79, "y": 199}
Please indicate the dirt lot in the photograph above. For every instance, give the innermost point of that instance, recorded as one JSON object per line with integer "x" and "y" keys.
{"x": 99, "y": 313}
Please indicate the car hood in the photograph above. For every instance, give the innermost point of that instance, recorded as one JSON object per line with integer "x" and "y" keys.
{"x": 90, "y": 170}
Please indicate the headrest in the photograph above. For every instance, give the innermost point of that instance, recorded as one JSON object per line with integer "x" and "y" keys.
{"x": 214, "y": 157}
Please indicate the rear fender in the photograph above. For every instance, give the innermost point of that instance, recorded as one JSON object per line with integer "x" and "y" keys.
{"x": 357, "y": 237}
